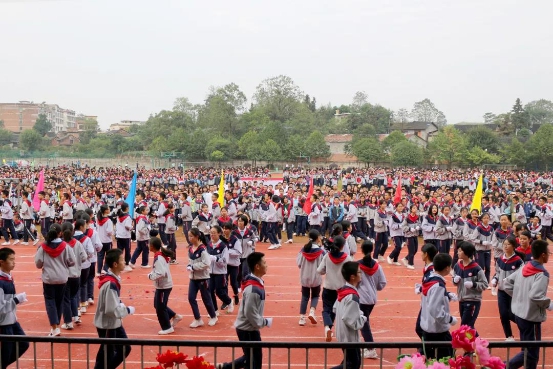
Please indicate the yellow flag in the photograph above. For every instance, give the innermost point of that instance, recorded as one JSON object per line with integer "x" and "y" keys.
{"x": 221, "y": 198}
{"x": 340, "y": 184}
{"x": 477, "y": 198}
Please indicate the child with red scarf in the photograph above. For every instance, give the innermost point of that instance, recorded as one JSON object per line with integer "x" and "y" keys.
{"x": 170, "y": 230}
{"x": 163, "y": 283}
{"x": 349, "y": 317}
{"x": 123, "y": 229}
{"x": 372, "y": 280}
{"x": 223, "y": 218}
{"x": 308, "y": 260}
{"x": 332, "y": 266}
{"x": 111, "y": 311}
{"x": 54, "y": 257}
{"x": 142, "y": 236}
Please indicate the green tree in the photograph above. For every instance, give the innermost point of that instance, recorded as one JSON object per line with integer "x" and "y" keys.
{"x": 515, "y": 153}
{"x": 218, "y": 116}
{"x": 489, "y": 118}
{"x": 540, "y": 111}
{"x": 359, "y": 100}
{"x": 279, "y": 97}
{"x": 248, "y": 139}
{"x": 505, "y": 124}
{"x": 42, "y": 125}
{"x": 30, "y": 140}
{"x": 483, "y": 137}
{"x": 478, "y": 156}
{"x": 391, "y": 140}
{"x": 294, "y": 147}
{"x": 407, "y": 154}
{"x": 195, "y": 145}
{"x": 5, "y": 136}
{"x": 225, "y": 145}
{"x": 90, "y": 130}
{"x": 425, "y": 111}
{"x": 367, "y": 150}
{"x": 448, "y": 146}
{"x": 272, "y": 151}
{"x": 217, "y": 156}
{"x": 401, "y": 116}
{"x": 316, "y": 146}
{"x": 519, "y": 116}
{"x": 540, "y": 143}
{"x": 232, "y": 95}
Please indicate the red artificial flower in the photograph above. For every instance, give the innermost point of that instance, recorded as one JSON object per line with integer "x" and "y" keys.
{"x": 495, "y": 363}
{"x": 198, "y": 363}
{"x": 463, "y": 338}
{"x": 461, "y": 362}
{"x": 169, "y": 358}
{"x": 155, "y": 367}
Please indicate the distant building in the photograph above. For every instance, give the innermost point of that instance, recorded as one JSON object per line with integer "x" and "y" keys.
{"x": 20, "y": 116}
{"x": 81, "y": 120}
{"x": 464, "y": 126}
{"x": 66, "y": 138}
{"x": 125, "y": 125}
{"x": 340, "y": 116}
{"x": 423, "y": 130}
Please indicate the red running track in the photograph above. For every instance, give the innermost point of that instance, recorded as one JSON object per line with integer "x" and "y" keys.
{"x": 393, "y": 319}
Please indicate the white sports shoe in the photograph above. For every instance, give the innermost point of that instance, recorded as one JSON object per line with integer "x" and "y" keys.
{"x": 303, "y": 320}
{"x": 274, "y": 247}
{"x": 370, "y": 354}
{"x": 36, "y": 241}
{"x": 230, "y": 308}
{"x": 68, "y": 326}
{"x": 510, "y": 339}
{"x": 212, "y": 321}
{"x": 54, "y": 332}
{"x": 405, "y": 262}
{"x": 312, "y": 317}
{"x": 16, "y": 242}
{"x": 196, "y": 323}
{"x": 166, "y": 331}
{"x": 5, "y": 243}
{"x": 389, "y": 260}
{"x": 328, "y": 334}
{"x": 176, "y": 319}
{"x": 127, "y": 269}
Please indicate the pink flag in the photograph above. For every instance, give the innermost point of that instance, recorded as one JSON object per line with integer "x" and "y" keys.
{"x": 39, "y": 187}
{"x": 307, "y": 205}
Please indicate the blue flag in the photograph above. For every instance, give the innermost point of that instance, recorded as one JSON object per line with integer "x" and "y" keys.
{"x": 132, "y": 195}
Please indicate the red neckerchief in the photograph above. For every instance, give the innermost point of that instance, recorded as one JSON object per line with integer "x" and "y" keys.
{"x": 312, "y": 255}
{"x": 224, "y": 219}
{"x": 251, "y": 282}
{"x": 346, "y": 291}
{"x": 337, "y": 258}
{"x": 103, "y": 279}
{"x": 413, "y": 218}
{"x": 73, "y": 242}
{"x": 367, "y": 268}
{"x": 429, "y": 283}
{"x": 532, "y": 268}
{"x": 142, "y": 217}
{"x": 159, "y": 253}
{"x": 103, "y": 221}
{"x": 470, "y": 265}
{"x": 54, "y": 252}
{"x": 28, "y": 202}
{"x": 525, "y": 251}
{"x": 122, "y": 218}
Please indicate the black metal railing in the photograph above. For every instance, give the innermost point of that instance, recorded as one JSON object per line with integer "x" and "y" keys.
{"x": 73, "y": 352}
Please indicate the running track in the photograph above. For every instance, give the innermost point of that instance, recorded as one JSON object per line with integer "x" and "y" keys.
{"x": 392, "y": 320}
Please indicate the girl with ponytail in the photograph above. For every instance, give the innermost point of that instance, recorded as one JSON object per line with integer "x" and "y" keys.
{"x": 372, "y": 280}
{"x": 123, "y": 229}
{"x": 308, "y": 260}
{"x": 55, "y": 259}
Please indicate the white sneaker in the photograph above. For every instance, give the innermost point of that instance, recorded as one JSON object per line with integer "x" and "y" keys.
{"x": 274, "y": 247}
{"x": 90, "y": 302}
{"x": 403, "y": 245}
{"x": 396, "y": 263}
{"x": 217, "y": 313}
{"x": 16, "y": 242}
{"x": 5, "y": 243}
{"x": 196, "y": 323}
{"x": 77, "y": 320}
{"x": 176, "y": 319}
{"x": 328, "y": 334}
{"x": 294, "y": 234}
{"x": 132, "y": 265}
{"x": 54, "y": 332}
{"x": 303, "y": 320}
{"x": 510, "y": 339}
{"x": 370, "y": 354}
{"x": 212, "y": 321}
{"x": 410, "y": 267}
{"x": 405, "y": 262}
{"x": 36, "y": 241}
{"x": 68, "y": 326}
{"x": 289, "y": 241}
{"x": 166, "y": 331}
{"x": 25, "y": 243}
{"x": 381, "y": 258}
{"x": 127, "y": 269}
{"x": 389, "y": 260}
{"x": 83, "y": 309}
{"x": 230, "y": 308}
{"x": 97, "y": 275}
{"x": 312, "y": 317}
{"x": 145, "y": 266}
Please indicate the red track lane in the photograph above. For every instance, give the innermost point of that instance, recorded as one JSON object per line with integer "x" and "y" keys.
{"x": 393, "y": 319}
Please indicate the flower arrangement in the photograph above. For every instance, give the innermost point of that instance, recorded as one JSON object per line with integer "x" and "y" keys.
{"x": 170, "y": 358}
{"x": 475, "y": 354}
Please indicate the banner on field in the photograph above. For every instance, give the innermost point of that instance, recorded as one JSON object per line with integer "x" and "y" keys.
{"x": 260, "y": 181}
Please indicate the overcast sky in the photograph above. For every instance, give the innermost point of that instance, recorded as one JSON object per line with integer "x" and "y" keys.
{"x": 126, "y": 59}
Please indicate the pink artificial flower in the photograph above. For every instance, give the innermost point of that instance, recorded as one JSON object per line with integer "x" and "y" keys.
{"x": 415, "y": 361}
{"x": 463, "y": 338}
{"x": 481, "y": 350}
{"x": 438, "y": 365}
{"x": 495, "y": 363}
{"x": 461, "y": 362}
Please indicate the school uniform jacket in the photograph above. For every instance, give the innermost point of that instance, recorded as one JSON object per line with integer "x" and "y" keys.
{"x": 498, "y": 237}
{"x": 54, "y": 259}
{"x": 396, "y": 225}
{"x": 506, "y": 266}
{"x": 483, "y": 234}
{"x": 435, "y": 315}
{"x": 308, "y": 262}
{"x": 247, "y": 238}
{"x": 429, "y": 227}
{"x": 161, "y": 274}
{"x": 200, "y": 262}
{"x": 8, "y": 302}
{"x": 410, "y": 226}
{"x": 109, "y": 310}
{"x": 470, "y": 273}
{"x": 332, "y": 267}
{"x": 372, "y": 280}
{"x": 220, "y": 251}
{"x": 349, "y": 317}
{"x": 250, "y": 312}
{"x": 528, "y": 287}
{"x": 444, "y": 228}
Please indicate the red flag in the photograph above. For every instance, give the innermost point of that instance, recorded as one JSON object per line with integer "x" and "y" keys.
{"x": 397, "y": 196}
{"x": 307, "y": 205}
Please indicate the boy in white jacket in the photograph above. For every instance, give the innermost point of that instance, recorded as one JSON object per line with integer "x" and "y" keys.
{"x": 349, "y": 318}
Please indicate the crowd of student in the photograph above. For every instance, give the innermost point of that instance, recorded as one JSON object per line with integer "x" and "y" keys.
{"x": 511, "y": 229}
